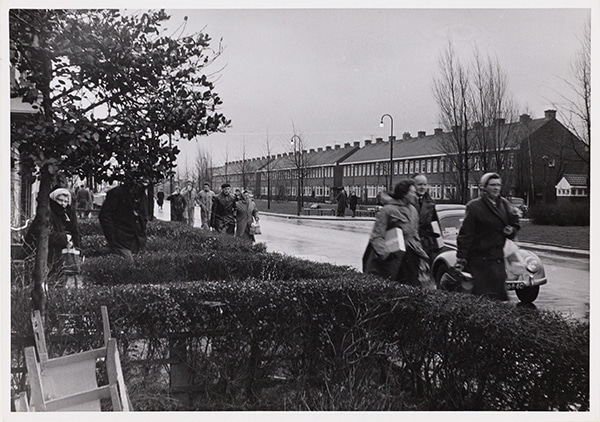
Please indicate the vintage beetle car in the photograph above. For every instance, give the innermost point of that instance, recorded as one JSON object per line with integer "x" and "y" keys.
{"x": 524, "y": 269}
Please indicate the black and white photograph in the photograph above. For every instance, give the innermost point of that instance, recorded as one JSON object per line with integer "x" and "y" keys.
{"x": 325, "y": 209}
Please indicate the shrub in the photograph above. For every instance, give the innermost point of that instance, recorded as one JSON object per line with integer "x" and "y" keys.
{"x": 343, "y": 343}
{"x": 561, "y": 214}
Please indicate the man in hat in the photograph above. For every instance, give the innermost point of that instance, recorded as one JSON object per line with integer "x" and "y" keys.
{"x": 223, "y": 211}
{"x": 489, "y": 221}
{"x": 124, "y": 215}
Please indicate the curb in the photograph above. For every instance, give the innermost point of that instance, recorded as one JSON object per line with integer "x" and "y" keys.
{"x": 581, "y": 253}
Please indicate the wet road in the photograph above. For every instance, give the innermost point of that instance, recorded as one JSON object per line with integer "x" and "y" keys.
{"x": 343, "y": 243}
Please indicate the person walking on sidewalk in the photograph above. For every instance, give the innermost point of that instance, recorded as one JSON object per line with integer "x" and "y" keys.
{"x": 178, "y": 205}
{"x": 205, "y": 198}
{"x": 342, "y": 203}
{"x": 189, "y": 193}
{"x": 489, "y": 221}
{"x": 246, "y": 213}
{"x": 223, "y": 211}
{"x": 427, "y": 215}
{"x": 353, "y": 201}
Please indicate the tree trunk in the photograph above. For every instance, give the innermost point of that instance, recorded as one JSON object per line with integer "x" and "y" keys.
{"x": 40, "y": 269}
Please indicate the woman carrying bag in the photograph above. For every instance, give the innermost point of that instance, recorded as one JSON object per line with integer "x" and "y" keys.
{"x": 409, "y": 266}
{"x": 246, "y": 217}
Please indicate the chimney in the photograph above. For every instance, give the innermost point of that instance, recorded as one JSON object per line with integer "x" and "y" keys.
{"x": 438, "y": 131}
{"x": 421, "y": 133}
{"x": 524, "y": 118}
{"x": 406, "y": 135}
{"x": 311, "y": 150}
{"x": 320, "y": 149}
{"x": 550, "y": 114}
{"x": 456, "y": 128}
{"x": 303, "y": 151}
{"x": 328, "y": 148}
{"x": 499, "y": 121}
{"x": 337, "y": 146}
{"x": 278, "y": 155}
{"x": 378, "y": 140}
{"x": 357, "y": 144}
{"x": 347, "y": 144}
{"x": 367, "y": 142}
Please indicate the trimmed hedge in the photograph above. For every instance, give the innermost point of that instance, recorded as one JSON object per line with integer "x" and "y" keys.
{"x": 263, "y": 331}
{"x": 561, "y": 214}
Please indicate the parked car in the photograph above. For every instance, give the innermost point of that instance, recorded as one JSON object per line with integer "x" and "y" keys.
{"x": 519, "y": 205}
{"x": 524, "y": 269}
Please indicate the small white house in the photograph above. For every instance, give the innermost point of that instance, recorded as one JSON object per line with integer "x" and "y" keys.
{"x": 572, "y": 186}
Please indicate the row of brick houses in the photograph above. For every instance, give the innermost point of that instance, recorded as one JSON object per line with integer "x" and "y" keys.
{"x": 533, "y": 157}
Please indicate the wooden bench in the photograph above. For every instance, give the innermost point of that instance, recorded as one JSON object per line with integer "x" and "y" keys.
{"x": 68, "y": 383}
{"x": 319, "y": 211}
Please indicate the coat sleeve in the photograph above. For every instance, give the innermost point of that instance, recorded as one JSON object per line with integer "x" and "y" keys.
{"x": 378, "y": 234}
{"x": 106, "y": 216}
{"x": 465, "y": 237}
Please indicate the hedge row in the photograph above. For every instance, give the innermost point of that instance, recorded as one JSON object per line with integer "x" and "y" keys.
{"x": 355, "y": 343}
{"x": 561, "y": 214}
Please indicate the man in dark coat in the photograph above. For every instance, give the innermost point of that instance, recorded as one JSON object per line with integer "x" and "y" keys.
{"x": 223, "y": 211}
{"x": 489, "y": 221}
{"x": 427, "y": 215}
{"x": 342, "y": 203}
{"x": 123, "y": 217}
{"x": 353, "y": 201}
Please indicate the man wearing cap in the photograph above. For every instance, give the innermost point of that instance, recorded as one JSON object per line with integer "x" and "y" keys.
{"x": 189, "y": 193}
{"x": 489, "y": 221}
{"x": 223, "y": 211}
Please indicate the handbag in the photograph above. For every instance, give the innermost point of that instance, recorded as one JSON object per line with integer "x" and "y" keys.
{"x": 254, "y": 228}
{"x": 71, "y": 261}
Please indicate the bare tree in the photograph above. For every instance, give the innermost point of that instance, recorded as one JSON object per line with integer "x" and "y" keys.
{"x": 269, "y": 168}
{"x": 300, "y": 163}
{"x": 452, "y": 92}
{"x": 204, "y": 165}
{"x": 575, "y": 107}
{"x": 491, "y": 106}
{"x": 244, "y": 167}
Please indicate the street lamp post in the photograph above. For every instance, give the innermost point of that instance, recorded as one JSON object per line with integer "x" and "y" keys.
{"x": 297, "y": 159}
{"x": 390, "y": 186}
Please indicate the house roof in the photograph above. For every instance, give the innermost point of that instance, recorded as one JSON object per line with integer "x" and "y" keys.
{"x": 313, "y": 158}
{"x": 576, "y": 179}
{"x": 432, "y": 145}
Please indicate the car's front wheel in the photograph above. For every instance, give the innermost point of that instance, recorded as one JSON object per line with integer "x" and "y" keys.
{"x": 439, "y": 272}
{"x": 528, "y": 294}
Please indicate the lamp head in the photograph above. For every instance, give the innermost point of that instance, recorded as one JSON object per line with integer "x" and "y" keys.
{"x": 381, "y": 123}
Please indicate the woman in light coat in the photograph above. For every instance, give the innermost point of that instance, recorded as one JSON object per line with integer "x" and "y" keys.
{"x": 410, "y": 267}
{"x": 246, "y": 214}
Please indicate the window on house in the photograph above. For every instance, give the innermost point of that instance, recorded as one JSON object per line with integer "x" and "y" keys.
{"x": 511, "y": 160}
{"x": 428, "y": 166}
{"x": 412, "y": 167}
{"x": 435, "y": 166}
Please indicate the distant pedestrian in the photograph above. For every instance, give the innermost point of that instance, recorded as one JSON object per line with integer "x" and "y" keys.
{"x": 160, "y": 199}
{"x": 489, "y": 221}
{"x": 84, "y": 202}
{"x": 412, "y": 266}
{"x": 223, "y": 211}
{"x": 353, "y": 201}
{"x": 342, "y": 203}
{"x": 189, "y": 193}
{"x": 124, "y": 216}
{"x": 427, "y": 215}
{"x": 205, "y": 199}
{"x": 178, "y": 205}
{"x": 246, "y": 214}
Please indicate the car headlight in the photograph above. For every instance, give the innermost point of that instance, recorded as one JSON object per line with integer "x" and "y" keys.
{"x": 532, "y": 264}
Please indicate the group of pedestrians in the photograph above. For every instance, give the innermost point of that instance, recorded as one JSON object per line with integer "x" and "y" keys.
{"x": 489, "y": 221}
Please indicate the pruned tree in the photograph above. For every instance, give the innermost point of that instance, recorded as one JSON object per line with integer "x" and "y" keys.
{"x": 110, "y": 89}
{"x": 452, "y": 92}
{"x": 300, "y": 163}
{"x": 268, "y": 168}
{"x": 204, "y": 166}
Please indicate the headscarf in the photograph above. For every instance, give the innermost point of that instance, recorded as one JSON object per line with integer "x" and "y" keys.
{"x": 60, "y": 191}
{"x": 486, "y": 178}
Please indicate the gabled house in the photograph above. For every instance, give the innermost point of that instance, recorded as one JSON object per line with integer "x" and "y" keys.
{"x": 572, "y": 187}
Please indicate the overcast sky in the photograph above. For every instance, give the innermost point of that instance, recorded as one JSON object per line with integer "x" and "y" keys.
{"x": 332, "y": 73}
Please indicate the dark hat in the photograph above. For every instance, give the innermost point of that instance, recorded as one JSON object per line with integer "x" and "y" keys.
{"x": 225, "y": 185}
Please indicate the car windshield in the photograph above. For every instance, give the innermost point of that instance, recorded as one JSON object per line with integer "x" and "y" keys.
{"x": 450, "y": 225}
